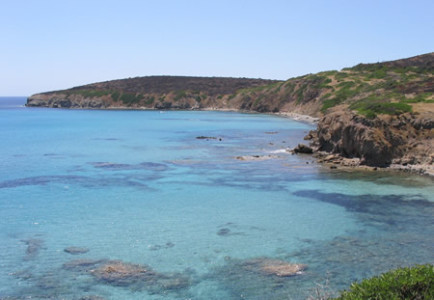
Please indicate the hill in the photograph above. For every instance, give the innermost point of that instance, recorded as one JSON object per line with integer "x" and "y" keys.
{"x": 151, "y": 92}
{"x": 374, "y": 114}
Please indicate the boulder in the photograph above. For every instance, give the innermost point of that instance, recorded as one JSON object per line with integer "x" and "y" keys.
{"x": 302, "y": 148}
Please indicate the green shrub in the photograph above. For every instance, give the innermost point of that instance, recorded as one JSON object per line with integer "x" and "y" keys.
{"x": 149, "y": 100}
{"x": 130, "y": 98}
{"x": 419, "y": 98}
{"x": 328, "y": 73}
{"x": 329, "y": 103}
{"x": 180, "y": 94}
{"x": 345, "y": 92}
{"x": 324, "y": 84}
{"x": 379, "y": 74}
{"x": 404, "y": 283}
{"x": 300, "y": 92}
{"x": 115, "y": 96}
{"x": 87, "y": 93}
{"x": 258, "y": 100}
{"x": 373, "y": 105}
{"x": 341, "y": 76}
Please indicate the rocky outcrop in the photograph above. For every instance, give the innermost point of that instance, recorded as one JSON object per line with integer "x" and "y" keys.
{"x": 302, "y": 148}
{"x": 60, "y": 100}
{"x": 381, "y": 141}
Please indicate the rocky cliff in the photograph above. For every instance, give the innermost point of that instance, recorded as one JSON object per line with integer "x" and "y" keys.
{"x": 379, "y": 113}
{"x": 405, "y": 139}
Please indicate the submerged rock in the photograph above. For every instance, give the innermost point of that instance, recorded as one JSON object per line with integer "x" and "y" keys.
{"x": 91, "y": 297}
{"x": 255, "y": 157}
{"x": 273, "y": 267}
{"x": 224, "y": 231}
{"x": 121, "y": 273}
{"x": 33, "y": 247}
{"x": 76, "y": 250}
{"x": 261, "y": 278}
{"x": 83, "y": 265}
{"x": 138, "y": 277}
{"x": 150, "y": 166}
{"x": 159, "y": 247}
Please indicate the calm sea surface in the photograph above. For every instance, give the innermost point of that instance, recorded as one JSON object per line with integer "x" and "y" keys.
{"x": 140, "y": 188}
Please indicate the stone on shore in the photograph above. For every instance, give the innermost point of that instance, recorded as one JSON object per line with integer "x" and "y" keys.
{"x": 302, "y": 148}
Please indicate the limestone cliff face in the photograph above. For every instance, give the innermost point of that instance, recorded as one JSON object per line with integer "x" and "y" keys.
{"x": 404, "y": 139}
{"x": 60, "y": 100}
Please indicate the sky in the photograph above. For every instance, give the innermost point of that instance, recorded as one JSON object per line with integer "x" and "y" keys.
{"x": 49, "y": 45}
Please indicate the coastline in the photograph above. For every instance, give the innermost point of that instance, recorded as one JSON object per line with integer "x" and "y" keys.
{"x": 335, "y": 161}
{"x": 331, "y": 160}
{"x": 298, "y": 117}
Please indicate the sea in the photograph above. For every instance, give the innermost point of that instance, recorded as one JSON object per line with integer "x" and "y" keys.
{"x": 127, "y": 204}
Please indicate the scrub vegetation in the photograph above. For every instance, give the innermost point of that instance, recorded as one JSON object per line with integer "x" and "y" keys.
{"x": 404, "y": 283}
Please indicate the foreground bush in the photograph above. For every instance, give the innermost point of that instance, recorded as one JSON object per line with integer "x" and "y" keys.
{"x": 414, "y": 283}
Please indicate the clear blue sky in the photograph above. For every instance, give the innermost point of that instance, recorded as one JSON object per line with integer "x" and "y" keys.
{"x": 56, "y": 44}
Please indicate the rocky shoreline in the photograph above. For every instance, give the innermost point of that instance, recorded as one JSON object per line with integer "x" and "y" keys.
{"x": 335, "y": 157}
{"x": 334, "y": 161}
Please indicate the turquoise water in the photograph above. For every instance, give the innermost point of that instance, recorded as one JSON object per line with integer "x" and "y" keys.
{"x": 139, "y": 187}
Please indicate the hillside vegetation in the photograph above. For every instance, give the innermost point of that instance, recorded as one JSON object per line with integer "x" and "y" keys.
{"x": 404, "y": 283}
{"x": 369, "y": 89}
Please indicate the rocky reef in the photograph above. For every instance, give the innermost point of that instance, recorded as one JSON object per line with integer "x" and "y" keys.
{"x": 273, "y": 267}
{"x": 261, "y": 278}
{"x": 120, "y": 273}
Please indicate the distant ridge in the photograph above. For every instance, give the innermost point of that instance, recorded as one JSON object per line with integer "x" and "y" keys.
{"x": 167, "y": 84}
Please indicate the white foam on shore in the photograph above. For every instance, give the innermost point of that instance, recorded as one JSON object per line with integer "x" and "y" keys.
{"x": 298, "y": 117}
{"x": 279, "y": 151}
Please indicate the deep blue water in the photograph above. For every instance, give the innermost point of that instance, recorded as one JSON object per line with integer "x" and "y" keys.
{"x": 139, "y": 187}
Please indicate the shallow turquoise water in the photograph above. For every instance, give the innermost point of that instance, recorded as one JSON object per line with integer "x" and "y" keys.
{"x": 137, "y": 186}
